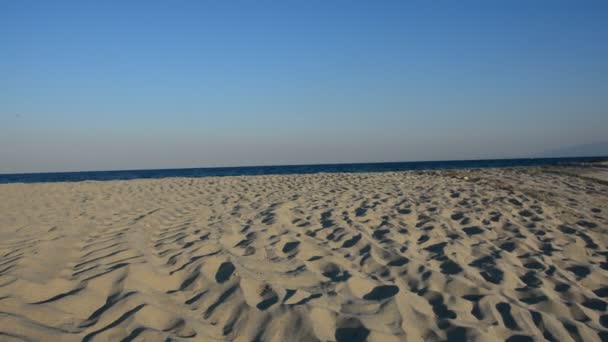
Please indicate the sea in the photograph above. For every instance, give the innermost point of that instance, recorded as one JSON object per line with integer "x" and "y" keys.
{"x": 289, "y": 169}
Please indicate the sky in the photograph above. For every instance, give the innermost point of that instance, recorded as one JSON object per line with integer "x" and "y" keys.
{"x": 104, "y": 85}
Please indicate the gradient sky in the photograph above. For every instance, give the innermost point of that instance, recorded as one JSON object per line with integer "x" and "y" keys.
{"x": 99, "y": 85}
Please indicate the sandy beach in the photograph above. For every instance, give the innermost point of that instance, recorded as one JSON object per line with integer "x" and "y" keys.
{"x": 483, "y": 255}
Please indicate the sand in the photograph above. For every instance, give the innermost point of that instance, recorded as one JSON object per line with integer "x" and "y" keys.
{"x": 484, "y": 255}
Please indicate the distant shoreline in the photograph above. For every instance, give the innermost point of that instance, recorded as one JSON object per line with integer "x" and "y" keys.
{"x": 293, "y": 169}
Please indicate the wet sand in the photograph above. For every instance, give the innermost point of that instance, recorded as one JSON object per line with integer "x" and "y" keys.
{"x": 482, "y": 255}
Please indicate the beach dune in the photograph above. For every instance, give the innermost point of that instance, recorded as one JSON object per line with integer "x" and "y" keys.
{"x": 483, "y": 255}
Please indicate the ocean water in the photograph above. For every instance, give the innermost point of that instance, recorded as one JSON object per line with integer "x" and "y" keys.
{"x": 288, "y": 169}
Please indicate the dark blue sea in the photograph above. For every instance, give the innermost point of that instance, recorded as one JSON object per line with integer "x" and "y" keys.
{"x": 288, "y": 169}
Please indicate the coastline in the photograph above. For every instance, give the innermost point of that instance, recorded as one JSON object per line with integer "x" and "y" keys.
{"x": 299, "y": 169}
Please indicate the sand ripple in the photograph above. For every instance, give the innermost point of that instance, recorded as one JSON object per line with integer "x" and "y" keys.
{"x": 515, "y": 255}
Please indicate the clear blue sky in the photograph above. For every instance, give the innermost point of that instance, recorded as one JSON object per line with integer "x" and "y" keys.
{"x": 90, "y": 85}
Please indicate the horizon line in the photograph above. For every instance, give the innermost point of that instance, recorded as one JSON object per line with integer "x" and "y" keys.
{"x": 313, "y": 164}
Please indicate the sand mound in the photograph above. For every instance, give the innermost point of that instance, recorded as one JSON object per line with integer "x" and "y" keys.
{"x": 514, "y": 254}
